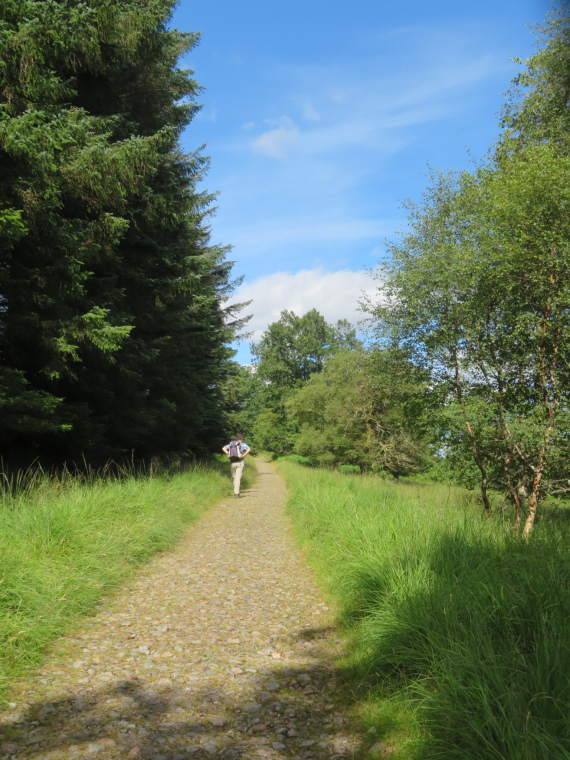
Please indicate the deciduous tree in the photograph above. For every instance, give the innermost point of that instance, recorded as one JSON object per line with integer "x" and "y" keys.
{"x": 291, "y": 350}
{"x": 365, "y": 409}
{"x": 479, "y": 288}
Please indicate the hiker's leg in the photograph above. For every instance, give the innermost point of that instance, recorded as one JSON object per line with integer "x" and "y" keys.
{"x": 237, "y": 470}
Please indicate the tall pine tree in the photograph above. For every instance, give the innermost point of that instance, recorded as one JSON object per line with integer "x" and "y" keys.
{"x": 113, "y": 336}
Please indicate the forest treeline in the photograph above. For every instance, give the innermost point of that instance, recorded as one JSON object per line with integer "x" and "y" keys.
{"x": 114, "y": 326}
{"x": 468, "y": 372}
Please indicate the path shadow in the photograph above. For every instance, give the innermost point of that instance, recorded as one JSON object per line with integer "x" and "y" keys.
{"x": 286, "y": 712}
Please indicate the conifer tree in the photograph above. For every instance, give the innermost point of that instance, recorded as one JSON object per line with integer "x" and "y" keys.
{"x": 112, "y": 328}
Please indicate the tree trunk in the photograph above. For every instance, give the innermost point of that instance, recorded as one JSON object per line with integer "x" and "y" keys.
{"x": 514, "y": 495}
{"x": 549, "y": 399}
{"x": 478, "y": 462}
{"x": 484, "y": 483}
{"x": 532, "y": 504}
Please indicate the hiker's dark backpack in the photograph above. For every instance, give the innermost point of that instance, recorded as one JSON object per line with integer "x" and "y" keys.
{"x": 235, "y": 451}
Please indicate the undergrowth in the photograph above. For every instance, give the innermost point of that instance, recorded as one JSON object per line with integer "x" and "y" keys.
{"x": 460, "y": 631}
{"x": 67, "y": 541}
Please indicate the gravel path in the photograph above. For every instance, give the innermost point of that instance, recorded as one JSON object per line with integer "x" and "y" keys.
{"x": 221, "y": 648}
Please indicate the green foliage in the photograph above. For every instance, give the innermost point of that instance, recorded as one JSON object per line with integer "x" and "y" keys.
{"x": 538, "y": 108}
{"x": 478, "y": 292}
{"x": 24, "y": 409}
{"x": 290, "y": 351}
{"x": 349, "y": 469}
{"x": 271, "y": 431}
{"x": 242, "y": 391}
{"x": 459, "y": 628}
{"x": 364, "y": 410}
{"x": 298, "y": 459}
{"x": 67, "y": 542}
{"x": 111, "y": 295}
{"x": 316, "y": 391}
{"x": 294, "y": 348}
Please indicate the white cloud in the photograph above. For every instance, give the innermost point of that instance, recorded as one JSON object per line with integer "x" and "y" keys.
{"x": 276, "y": 140}
{"x": 310, "y": 112}
{"x": 334, "y": 294}
{"x": 375, "y": 108}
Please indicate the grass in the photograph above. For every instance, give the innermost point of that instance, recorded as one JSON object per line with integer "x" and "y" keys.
{"x": 460, "y": 631}
{"x": 67, "y": 542}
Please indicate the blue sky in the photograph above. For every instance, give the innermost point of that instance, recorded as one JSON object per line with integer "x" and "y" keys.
{"x": 321, "y": 117}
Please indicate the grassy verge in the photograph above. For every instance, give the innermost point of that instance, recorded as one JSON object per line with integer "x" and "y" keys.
{"x": 460, "y": 631}
{"x": 65, "y": 544}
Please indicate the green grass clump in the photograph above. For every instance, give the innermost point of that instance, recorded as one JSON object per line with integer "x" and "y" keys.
{"x": 461, "y": 630}
{"x": 297, "y": 458}
{"x": 66, "y": 543}
{"x": 349, "y": 469}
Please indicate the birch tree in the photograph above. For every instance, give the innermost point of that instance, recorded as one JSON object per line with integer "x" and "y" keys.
{"x": 478, "y": 290}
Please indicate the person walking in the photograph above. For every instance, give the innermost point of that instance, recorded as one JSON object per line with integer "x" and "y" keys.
{"x": 237, "y": 451}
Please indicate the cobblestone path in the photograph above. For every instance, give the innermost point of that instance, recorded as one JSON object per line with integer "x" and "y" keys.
{"x": 221, "y": 648}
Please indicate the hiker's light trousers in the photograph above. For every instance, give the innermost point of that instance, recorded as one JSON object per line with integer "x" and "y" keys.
{"x": 237, "y": 472}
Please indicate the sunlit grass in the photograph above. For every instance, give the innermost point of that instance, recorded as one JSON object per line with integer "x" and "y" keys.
{"x": 66, "y": 542}
{"x": 460, "y": 630}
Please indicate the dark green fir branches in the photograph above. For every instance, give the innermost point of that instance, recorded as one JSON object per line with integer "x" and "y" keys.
{"x": 112, "y": 330}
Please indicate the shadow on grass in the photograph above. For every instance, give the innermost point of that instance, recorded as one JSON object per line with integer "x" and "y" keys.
{"x": 555, "y": 516}
{"x": 475, "y": 637}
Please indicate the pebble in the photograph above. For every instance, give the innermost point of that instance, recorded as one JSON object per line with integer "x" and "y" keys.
{"x": 217, "y": 720}
{"x": 157, "y": 668}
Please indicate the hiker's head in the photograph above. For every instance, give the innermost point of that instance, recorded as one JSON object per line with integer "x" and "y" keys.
{"x": 239, "y": 437}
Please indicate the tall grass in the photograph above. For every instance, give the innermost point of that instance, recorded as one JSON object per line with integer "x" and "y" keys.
{"x": 66, "y": 542}
{"x": 459, "y": 626}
